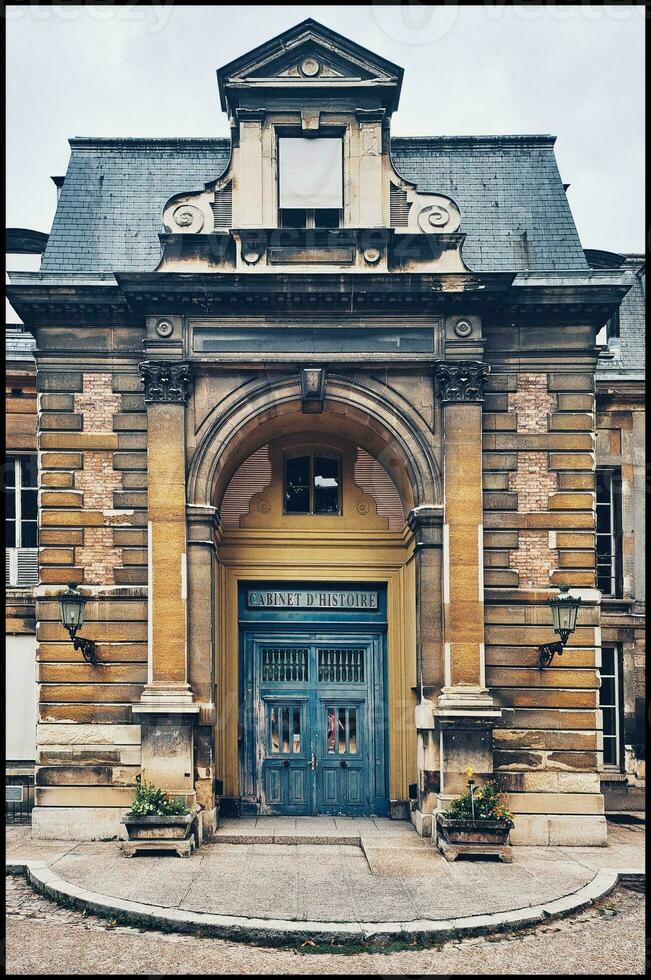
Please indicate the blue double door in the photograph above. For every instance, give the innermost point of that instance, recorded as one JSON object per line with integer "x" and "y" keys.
{"x": 319, "y": 723}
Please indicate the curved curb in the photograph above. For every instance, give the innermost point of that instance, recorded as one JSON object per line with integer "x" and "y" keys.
{"x": 286, "y": 931}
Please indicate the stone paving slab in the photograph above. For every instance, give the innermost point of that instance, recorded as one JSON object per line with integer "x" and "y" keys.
{"x": 391, "y": 882}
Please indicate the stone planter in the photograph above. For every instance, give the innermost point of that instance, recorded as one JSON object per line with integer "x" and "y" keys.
{"x": 176, "y": 833}
{"x": 483, "y": 837}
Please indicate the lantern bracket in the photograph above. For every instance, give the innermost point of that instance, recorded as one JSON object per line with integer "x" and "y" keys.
{"x": 547, "y": 652}
{"x": 87, "y": 648}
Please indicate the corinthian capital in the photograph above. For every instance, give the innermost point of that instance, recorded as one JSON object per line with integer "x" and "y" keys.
{"x": 461, "y": 381}
{"x": 165, "y": 381}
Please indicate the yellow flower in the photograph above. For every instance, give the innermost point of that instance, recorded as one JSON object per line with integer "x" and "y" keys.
{"x": 469, "y": 772}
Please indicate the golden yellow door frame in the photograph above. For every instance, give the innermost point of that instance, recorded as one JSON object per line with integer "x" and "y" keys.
{"x": 377, "y": 556}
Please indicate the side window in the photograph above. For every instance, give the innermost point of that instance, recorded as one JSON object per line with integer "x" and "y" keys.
{"x": 21, "y": 488}
{"x": 609, "y": 523}
{"x": 21, "y": 535}
{"x": 312, "y": 485}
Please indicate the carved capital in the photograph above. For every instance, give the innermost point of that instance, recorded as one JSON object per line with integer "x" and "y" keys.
{"x": 165, "y": 381}
{"x": 461, "y": 381}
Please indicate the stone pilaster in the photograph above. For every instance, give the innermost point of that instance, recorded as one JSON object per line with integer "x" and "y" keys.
{"x": 426, "y": 523}
{"x": 203, "y": 525}
{"x": 167, "y": 707}
{"x": 464, "y": 712}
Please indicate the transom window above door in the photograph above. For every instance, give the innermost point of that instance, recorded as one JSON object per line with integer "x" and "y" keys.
{"x": 312, "y": 484}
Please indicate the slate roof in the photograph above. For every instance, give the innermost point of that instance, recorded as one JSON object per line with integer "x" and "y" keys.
{"x": 19, "y": 343}
{"x": 514, "y": 208}
{"x": 628, "y": 357}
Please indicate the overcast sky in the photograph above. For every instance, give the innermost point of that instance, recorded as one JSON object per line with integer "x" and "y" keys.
{"x": 149, "y": 70}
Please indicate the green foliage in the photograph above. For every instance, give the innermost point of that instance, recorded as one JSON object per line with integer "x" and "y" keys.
{"x": 150, "y": 801}
{"x": 489, "y": 805}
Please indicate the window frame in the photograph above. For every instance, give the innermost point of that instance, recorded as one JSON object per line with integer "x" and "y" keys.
{"x": 290, "y": 132}
{"x": 17, "y": 457}
{"x": 613, "y": 476}
{"x": 618, "y": 707}
{"x": 311, "y": 454}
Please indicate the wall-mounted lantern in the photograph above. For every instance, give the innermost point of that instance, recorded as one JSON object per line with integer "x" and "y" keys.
{"x": 72, "y": 616}
{"x": 564, "y": 609}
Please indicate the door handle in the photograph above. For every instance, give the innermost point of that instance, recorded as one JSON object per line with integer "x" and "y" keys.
{"x": 313, "y": 762}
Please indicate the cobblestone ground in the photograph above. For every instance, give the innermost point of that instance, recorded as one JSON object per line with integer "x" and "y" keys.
{"x": 43, "y": 938}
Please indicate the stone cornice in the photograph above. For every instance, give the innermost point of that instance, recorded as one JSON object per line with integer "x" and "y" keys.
{"x": 461, "y": 381}
{"x": 165, "y": 381}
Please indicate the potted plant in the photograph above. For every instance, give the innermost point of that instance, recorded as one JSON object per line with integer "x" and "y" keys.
{"x": 477, "y": 823}
{"x": 158, "y": 821}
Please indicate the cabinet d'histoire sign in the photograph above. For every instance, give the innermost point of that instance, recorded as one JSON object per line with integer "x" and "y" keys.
{"x": 312, "y": 599}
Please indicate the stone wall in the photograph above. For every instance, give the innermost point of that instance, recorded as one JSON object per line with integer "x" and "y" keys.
{"x": 93, "y": 530}
{"x": 538, "y": 533}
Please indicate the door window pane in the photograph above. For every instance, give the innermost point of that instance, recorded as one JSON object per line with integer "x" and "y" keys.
{"x": 296, "y": 730}
{"x": 342, "y": 729}
{"x": 297, "y": 485}
{"x": 10, "y": 534}
{"x": 284, "y": 714}
{"x": 275, "y": 747}
{"x": 326, "y": 485}
{"x": 352, "y": 731}
{"x": 331, "y": 729}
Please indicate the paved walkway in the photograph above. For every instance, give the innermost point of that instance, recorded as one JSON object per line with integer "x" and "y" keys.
{"x": 361, "y": 877}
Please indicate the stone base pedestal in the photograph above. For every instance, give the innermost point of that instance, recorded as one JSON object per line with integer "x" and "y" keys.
{"x": 182, "y": 848}
{"x": 422, "y": 822}
{"x": 77, "y": 822}
{"x": 452, "y": 851}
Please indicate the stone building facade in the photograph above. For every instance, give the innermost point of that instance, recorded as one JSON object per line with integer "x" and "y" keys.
{"x": 319, "y": 451}
{"x": 621, "y": 485}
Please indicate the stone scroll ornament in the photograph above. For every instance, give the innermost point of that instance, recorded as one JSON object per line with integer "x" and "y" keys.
{"x": 461, "y": 381}
{"x": 165, "y": 381}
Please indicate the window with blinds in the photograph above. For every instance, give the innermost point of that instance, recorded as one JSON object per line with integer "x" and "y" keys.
{"x": 21, "y": 551}
{"x": 310, "y": 182}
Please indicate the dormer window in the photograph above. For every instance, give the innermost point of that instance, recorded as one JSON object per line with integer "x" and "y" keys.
{"x": 608, "y": 336}
{"x": 310, "y": 182}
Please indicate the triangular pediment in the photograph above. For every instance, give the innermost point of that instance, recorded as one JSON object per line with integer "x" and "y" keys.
{"x": 312, "y": 54}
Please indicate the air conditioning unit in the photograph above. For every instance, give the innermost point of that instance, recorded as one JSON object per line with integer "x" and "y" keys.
{"x": 21, "y": 567}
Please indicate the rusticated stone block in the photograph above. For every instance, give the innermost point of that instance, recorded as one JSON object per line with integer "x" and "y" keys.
{"x": 56, "y": 402}
{"x": 134, "y": 479}
{"x": 65, "y": 381}
{"x": 571, "y": 421}
{"x": 576, "y": 481}
{"x": 78, "y": 440}
{"x": 575, "y": 402}
{"x": 57, "y": 478}
{"x": 571, "y": 461}
{"x": 60, "y": 421}
{"x": 572, "y": 381}
{"x": 61, "y": 461}
{"x": 135, "y": 575}
{"x": 130, "y": 461}
{"x": 132, "y": 440}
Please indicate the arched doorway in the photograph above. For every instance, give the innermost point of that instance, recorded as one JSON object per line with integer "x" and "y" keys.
{"x": 315, "y": 603}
